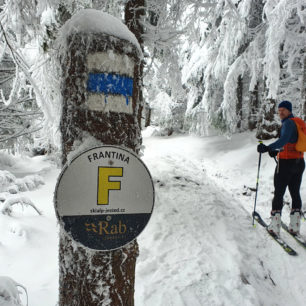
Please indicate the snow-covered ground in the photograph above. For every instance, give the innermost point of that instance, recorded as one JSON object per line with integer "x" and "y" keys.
{"x": 199, "y": 248}
{"x": 28, "y": 241}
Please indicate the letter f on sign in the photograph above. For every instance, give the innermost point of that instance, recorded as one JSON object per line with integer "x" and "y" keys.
{"x": 104, "y": 185}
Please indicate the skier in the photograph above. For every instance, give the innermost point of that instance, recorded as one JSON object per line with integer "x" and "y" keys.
{"x": 288, "y": 172}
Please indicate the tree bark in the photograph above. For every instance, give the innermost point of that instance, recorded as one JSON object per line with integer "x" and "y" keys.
{"x": 268, "y": 127}
{"x": 89, "y": 277}
{"x": 253, "y": 111}
{"x": 239, "y": 101}
{"x": 134, "y": 14}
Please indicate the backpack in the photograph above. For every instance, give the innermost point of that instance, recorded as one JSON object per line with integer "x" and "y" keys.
{"x": 301, "y": 129}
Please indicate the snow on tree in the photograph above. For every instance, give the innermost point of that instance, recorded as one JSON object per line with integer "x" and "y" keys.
{"x": 23, "y": 201}
{"x": 19, "y": 112}
{"x": 9, "y": 293}
{"x": 28, "y": 30}
{"x": 162, "y": 73}
{"x": 240, "y": 48}
{"x": 220, "y": 62}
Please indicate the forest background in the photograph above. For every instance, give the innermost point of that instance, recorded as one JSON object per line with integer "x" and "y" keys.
{"x": 210, "y": 67}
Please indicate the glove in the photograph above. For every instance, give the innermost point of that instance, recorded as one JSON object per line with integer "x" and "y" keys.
{"x": 273, "y": 153}
{"x": 261, "y": 148}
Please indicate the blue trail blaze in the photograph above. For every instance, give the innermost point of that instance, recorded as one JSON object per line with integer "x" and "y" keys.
{"x": 108, "y": 83}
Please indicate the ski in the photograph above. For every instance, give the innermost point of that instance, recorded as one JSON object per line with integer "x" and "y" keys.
{"x": 298, "y": 237}
{"x": 278, "y": 239}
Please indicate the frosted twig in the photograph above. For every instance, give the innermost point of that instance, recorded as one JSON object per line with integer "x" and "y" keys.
{"x": 233, "y": 7}
{"x": 8, "y": 290}
{"x": 5, "y": 80}
{"x": 25, "y": 290}
{"x": 21, "y": 63}
{"x": 24, "y": 201}
{"x": 21, "y": 133}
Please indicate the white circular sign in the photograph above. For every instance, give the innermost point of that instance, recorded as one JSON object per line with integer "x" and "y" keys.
{"x": 104, "y": 197}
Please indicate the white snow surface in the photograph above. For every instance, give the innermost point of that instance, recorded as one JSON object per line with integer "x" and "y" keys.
{"x": 89, "y": 21}
{"x": 199, "y": 248}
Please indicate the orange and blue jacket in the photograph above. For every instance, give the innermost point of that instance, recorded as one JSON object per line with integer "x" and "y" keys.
{"x": 287, "y": 140}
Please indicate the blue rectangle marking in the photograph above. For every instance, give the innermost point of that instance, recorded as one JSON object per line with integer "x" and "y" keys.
{"x": 109, "y": 83}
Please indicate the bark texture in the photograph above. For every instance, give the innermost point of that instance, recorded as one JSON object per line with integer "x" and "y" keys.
{"x": 134, "y": 13}
{"x": 88, "y": 277}
{"x": 91, "y": 278}
{"x": 268, "y": 128}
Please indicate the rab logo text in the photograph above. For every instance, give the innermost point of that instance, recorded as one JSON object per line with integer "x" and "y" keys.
{"x": 105, "y": 185}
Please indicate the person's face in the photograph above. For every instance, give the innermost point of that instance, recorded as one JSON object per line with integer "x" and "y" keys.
{"x": 283, "y": 113}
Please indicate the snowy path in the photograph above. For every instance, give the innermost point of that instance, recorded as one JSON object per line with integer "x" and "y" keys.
{"x": 200, "y": 247}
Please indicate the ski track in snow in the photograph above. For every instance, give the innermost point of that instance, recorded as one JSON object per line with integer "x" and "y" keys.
{"x": 199, "y": 248}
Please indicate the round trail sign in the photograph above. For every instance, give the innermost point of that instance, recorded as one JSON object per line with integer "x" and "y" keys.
{"x": 104, "y": 197}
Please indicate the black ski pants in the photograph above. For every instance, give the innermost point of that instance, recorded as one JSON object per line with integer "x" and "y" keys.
{"x": 289, "y": 173}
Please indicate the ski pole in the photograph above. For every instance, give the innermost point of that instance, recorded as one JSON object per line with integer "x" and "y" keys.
{"x": 257, "y": 180}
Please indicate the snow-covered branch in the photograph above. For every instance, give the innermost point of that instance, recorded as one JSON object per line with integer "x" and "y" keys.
{"x": 21, "y": 200}
{"x": 9, "y": 293}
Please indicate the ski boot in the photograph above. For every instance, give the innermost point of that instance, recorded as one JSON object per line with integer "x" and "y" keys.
{"x": 275, "y": 225}
{"x": 295, "y": 221}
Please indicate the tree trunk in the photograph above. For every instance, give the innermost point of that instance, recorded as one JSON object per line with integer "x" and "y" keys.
{"x": 90, "y": 277}
{"x": 148, "y": 111}
{"x": 239, "y": 101}
{"x": 268, "y": 127}
{"x": 253, "y": 111}
{"x": 134, "y": 14}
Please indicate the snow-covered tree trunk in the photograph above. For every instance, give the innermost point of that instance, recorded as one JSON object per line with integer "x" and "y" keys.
{"x": 267, "y": 127}
{"x": 253, "y": 109}
{"x": 89, "y": 277}
{"x": 239, "y": 101}
{"x": 134, "y": 15}
{"x": 254, "y": 24}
